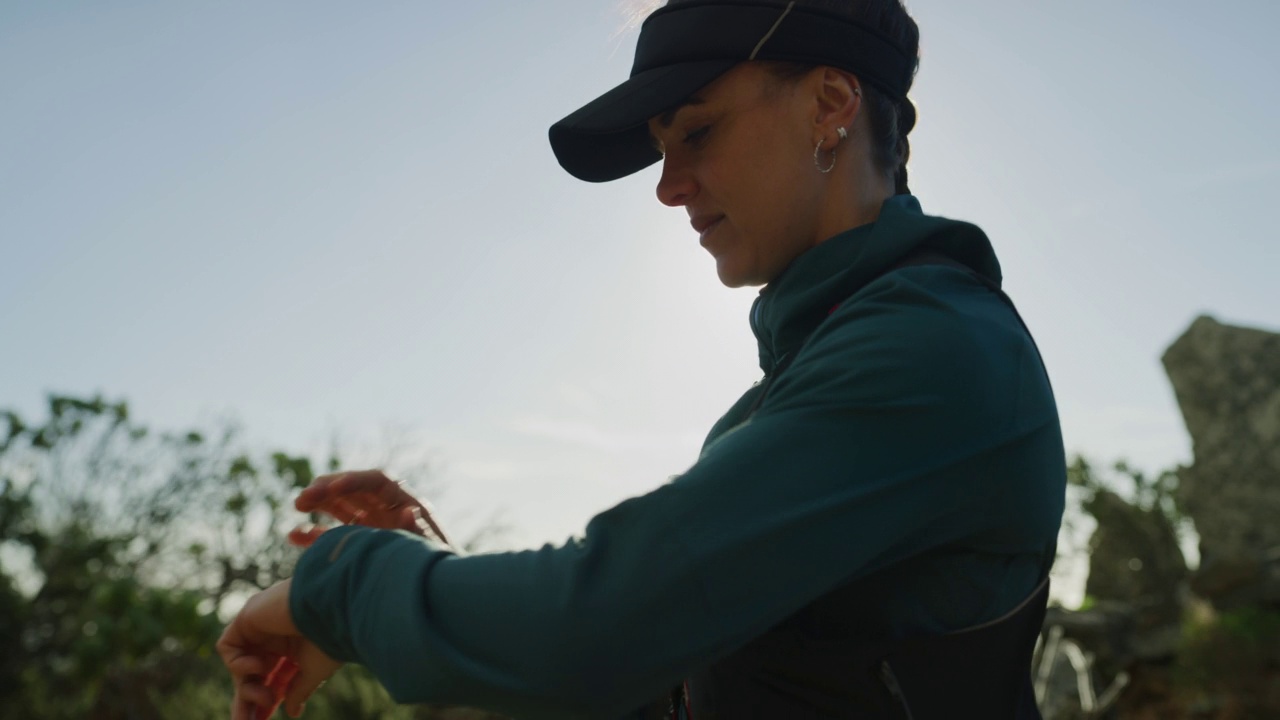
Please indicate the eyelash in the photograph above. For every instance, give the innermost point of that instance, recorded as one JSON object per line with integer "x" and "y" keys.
{"x": 696, "y": 136}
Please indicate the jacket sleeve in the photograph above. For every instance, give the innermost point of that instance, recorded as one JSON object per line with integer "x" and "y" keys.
{"x": 847, "y": 467}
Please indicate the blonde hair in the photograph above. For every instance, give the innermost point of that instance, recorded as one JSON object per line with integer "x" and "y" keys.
{"x": 635, "y": 11}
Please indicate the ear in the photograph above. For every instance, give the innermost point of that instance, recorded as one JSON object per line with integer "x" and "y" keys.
{"x": 838, "y": 96}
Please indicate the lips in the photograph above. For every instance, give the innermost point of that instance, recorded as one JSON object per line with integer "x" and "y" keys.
{"x": 704, "y": 224}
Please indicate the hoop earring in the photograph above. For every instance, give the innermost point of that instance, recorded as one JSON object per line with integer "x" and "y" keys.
{"x": 818, "y": 164}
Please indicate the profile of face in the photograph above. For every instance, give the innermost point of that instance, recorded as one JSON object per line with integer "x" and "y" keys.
{"x": 738, "y": 156}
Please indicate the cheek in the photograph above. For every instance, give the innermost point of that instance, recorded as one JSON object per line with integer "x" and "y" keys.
{"x": 764, "y": 182}
{"x": 780, "y": 185}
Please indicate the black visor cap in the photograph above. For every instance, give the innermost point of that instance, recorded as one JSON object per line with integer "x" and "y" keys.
{"x": 683, "y": 48}
{"x": 608, "y": 138}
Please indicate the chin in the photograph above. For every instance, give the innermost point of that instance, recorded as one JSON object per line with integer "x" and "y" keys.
{"x": 732, "y": 277}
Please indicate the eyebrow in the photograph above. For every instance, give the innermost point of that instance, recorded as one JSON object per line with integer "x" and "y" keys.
{"x": 669, "y": 117}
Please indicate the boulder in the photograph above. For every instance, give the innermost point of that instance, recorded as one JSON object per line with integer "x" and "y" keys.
{"x": 1227, "y": 382}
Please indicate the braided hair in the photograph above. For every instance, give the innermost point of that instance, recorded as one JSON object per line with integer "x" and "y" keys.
{"x": 888, "y": 116}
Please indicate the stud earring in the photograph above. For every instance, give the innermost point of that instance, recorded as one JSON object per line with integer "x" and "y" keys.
{"x": 817, "y": 148}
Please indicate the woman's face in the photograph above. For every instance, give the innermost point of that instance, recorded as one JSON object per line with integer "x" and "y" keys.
{"x": 738, "y": 156}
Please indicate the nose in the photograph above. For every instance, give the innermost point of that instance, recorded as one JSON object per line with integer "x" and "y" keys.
{"x": 676, "y": 186}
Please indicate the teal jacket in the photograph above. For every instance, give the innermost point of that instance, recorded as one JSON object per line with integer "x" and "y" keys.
{"x": 913, "y": 438}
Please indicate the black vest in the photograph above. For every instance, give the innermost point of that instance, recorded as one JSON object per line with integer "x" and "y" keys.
{"x": 797, "y": 673}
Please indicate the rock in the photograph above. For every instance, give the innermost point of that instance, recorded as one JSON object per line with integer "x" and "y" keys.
{"x": 1227, "y": 381}
{"x": 1134, "y": 559}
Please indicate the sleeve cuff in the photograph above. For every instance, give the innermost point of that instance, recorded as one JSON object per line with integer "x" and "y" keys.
{"x": 325, "y": 596}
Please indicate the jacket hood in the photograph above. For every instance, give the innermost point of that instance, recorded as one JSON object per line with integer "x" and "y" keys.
{"x": 791, "y": 306}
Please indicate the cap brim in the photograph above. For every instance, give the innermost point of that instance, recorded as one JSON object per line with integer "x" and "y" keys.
{"x": 608, "y": 138}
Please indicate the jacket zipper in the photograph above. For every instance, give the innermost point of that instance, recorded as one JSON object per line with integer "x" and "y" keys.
{"x": 766, "y": 382}
{"x": 891, "y": 683}
{"x": 678, "y": 703}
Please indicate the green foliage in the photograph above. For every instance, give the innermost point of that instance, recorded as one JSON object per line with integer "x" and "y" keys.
{"x": 1226, "y": 665}
{"x": 1235, "y": 655}
{"x": 1139, "y": 489}
{"x": 1154, "y": 494}
{"x": 295, "y": 470}
{"x": 133, "y": 541}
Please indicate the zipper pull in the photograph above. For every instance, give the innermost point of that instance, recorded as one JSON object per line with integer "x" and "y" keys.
{"x": 891, "y": 683}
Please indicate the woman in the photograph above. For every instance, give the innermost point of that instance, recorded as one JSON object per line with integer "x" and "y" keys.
{"x": 868, "y": 531}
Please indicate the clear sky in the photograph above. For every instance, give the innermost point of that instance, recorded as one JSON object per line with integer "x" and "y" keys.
{"x": 335, "y": 217}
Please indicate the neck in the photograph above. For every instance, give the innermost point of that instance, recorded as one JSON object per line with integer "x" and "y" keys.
{"x": 854, "y": 200}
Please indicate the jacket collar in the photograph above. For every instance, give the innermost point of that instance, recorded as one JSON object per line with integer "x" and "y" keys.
{"x": 793, "y": 305}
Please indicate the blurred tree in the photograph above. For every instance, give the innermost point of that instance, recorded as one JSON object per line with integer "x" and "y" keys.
{"x": 1180, "y": 657}
{"x": 1135, "y": 552}
{"x": 118, "y": 548}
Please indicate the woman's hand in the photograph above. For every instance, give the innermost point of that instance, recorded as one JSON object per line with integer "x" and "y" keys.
{"x": 367, "y": 498}
{"x": 269, "y": 660}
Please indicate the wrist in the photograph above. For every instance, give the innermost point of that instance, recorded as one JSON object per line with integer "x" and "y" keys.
{"x": 318, "y": 599}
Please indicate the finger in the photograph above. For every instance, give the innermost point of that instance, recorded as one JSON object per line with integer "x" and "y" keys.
{"x": 303, "y": 687}
{"x": 394, "y": 495}
{"x": 248, "y": 666}
{"x": 231, "y": 646}
{"x": 263, "y": 627}
{"x": 411, "y": 520}
{"x": 278, "y": 680}
{"x": 368, "y": 498}
{"x": 305, "y": 536}
{"x": 282, "y": 673}
{"x": 346, "y": 511}
{"x": 371, "y": 489}
{"x": 365, "y": 481}
{"x": 415, "y": 522}
{"x": 350, "y": 509}
{"x": 253, "y": 698}
{"x": 339, "y": 509}
{"x": 316, "y": 493}
{"x": 240, "y": 641}
{"x": 314, "y": 668}
{"x": 426, "y": 525}
{"x": 327, "y": 487}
